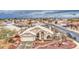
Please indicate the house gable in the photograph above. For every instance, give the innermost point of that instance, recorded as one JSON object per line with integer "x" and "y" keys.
{"x": 36, "y": 29}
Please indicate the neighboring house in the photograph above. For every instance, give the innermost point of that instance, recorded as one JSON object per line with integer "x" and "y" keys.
{"x": 36, "y": 32}
{"x": 12, "y": 27}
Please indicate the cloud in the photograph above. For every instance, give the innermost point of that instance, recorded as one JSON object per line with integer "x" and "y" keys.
{"x": 7, "y": 11}
{"x": 38, "y": 13}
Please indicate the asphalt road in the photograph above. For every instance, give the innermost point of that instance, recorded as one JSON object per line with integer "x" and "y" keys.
{"x": 68, "y": 32}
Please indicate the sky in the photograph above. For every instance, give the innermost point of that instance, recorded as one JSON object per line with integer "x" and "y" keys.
{"x": 39, "y": 13}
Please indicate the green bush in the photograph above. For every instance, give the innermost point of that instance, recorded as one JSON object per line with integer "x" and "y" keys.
{"x": 5, "y": 33}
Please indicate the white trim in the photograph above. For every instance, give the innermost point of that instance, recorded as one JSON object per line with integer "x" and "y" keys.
{"x": 41, "y": 27}
{"x": 28, "y": 32}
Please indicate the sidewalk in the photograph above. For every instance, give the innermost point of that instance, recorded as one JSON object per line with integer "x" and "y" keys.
{"x": 72, "y": 30}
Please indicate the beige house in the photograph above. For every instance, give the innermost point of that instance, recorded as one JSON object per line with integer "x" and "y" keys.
{"x": 36, "y": 32}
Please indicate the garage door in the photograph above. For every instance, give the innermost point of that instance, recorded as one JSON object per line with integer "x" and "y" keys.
{"x": 27, "y": 39}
